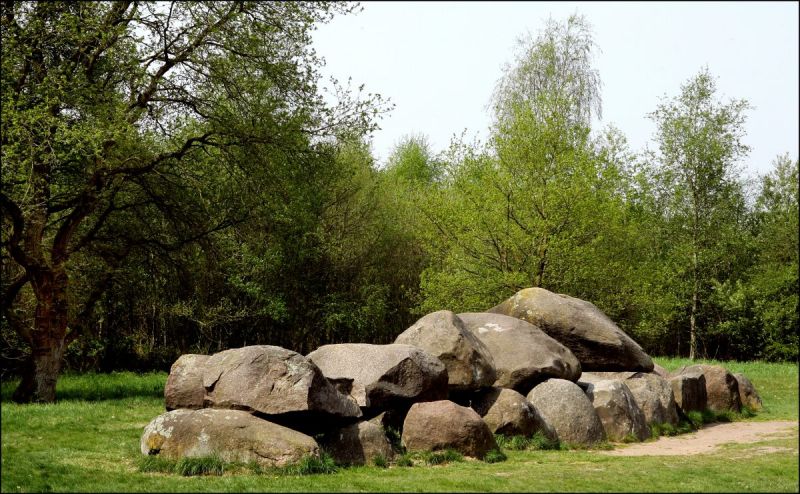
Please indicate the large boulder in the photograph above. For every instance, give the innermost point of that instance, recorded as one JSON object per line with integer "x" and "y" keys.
{"x": 722, "y": 389}
{"x": 442, "y": 334}
{"x": 580, "y": 326}
{"x": 276, "y": 382}
{"x": 595, "y": 377}
{"x": 443, "y": 424}
{"x": 654, "y": 396}
{"x": 509, "y": 413}
{"x": 565, "y": 407}
{"x": 233, "y": 435}
{"x": 658, "y": 370}
{"x": 357, "y": 444}
{"x": 747, "y": 392}
{"x": 690, "y": 391}
{"x": 523, "y": 354}
{"x": 184, "y": 388}
{"x": 621, "y": 416}
{"x": 384, "y": 376}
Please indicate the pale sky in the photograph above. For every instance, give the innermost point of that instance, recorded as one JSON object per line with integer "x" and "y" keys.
{"x": 439, "y": 62}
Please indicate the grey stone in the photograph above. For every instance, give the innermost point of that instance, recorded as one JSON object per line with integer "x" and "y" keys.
{"x": 523, "y": 354}
{"x": 184, "y": 388}
{"x": 442, "y": 334}
{"x": 690, "y": 391}
{"x": 384, "y": 376}
{"x": 657, "y": 369}
{"x": 594, "y": 377}
{"x": 654, "y": 396}
{"x": 439, "y": 425}
{"x": 598, "y": 343}
{"x": 507, "y": 412}
{"x": 276, "y": 382}
{"x": 357, "y": 444}
{"x": 621, "y": 416}
{"x": 722, "y": 389}
{"x": 233, "y": 435}
{"x": 565, "y": 407}
{"x": 747, "y": 392}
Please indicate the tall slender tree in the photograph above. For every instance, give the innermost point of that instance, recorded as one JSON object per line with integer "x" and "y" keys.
{"x": 699, "y": 147}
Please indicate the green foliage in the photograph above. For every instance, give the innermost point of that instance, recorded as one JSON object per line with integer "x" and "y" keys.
{"x": 413, "y": 163}
{"x": 156, "y": 463}
{"x": 699, "y": 146}
{"x": 380, "y": 461}
{"x": 405, "y": 460}
{"x": 440, "y": 457}
{"x": 495, "y": 456}
{"x": 662, "y": 429}
{"x": 237, "y": 207}
{"x": 394, "y": 437}
{"x": 539, "y": 441}
{"x": 311, "y": 464}
{"x": 536, "y": 442}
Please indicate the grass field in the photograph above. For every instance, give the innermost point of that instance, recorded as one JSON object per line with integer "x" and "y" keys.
{"x": 89, "y": 441}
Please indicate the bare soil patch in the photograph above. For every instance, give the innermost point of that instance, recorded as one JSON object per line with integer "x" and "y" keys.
{"x": 707, "y": 439}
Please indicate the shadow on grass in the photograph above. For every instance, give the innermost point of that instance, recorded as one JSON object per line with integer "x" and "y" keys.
{"x": 99, "y": 387}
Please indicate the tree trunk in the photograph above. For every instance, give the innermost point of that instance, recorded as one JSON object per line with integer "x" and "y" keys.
{"x": 47, "y": 341}
{"x": 538, "y": 280}
{"x": 692, "y": 314}
{"x": 41, "y": 372}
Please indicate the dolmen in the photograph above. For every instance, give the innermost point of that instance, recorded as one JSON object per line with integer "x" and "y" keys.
{"x": 537, "y": 363}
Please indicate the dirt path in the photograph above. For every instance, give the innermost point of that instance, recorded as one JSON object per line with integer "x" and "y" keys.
{"x": 708, "y": 438}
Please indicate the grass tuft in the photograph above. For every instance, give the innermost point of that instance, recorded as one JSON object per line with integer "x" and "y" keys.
{"x": 310, "y": 465}
{"x": 404, "y": 460}
{"x": 441, "y": 457}
{"x": 495, "y": 456}
{"x": 202, "y": 465}
{"x": 536, "y": 442}
{"x": 540, "y": 442}
{"x": 380, "y": 461}
{"x": 255, "y": 467}
{"x": 155, "y": 463}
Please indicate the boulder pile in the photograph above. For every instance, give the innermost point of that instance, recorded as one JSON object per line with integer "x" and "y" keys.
{"x": 538, "y": 362}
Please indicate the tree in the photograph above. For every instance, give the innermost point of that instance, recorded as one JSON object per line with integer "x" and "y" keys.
{"x": 775, "y": 279}
{"x": 699, "y": 145}
{"x": 412, "y": 161}
{"x": 552, "y": 74}
{"x": 105, "y": 108}
{"x": 541, "y": 204}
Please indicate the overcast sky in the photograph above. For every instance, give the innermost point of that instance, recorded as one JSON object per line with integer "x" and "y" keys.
{"x": 439, "y": 62}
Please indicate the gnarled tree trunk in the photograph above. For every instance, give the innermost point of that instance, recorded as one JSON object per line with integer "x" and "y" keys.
{"x": 47, "y": 339}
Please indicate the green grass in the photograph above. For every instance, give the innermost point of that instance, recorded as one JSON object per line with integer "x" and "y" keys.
{"x": 89, "y": 441}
